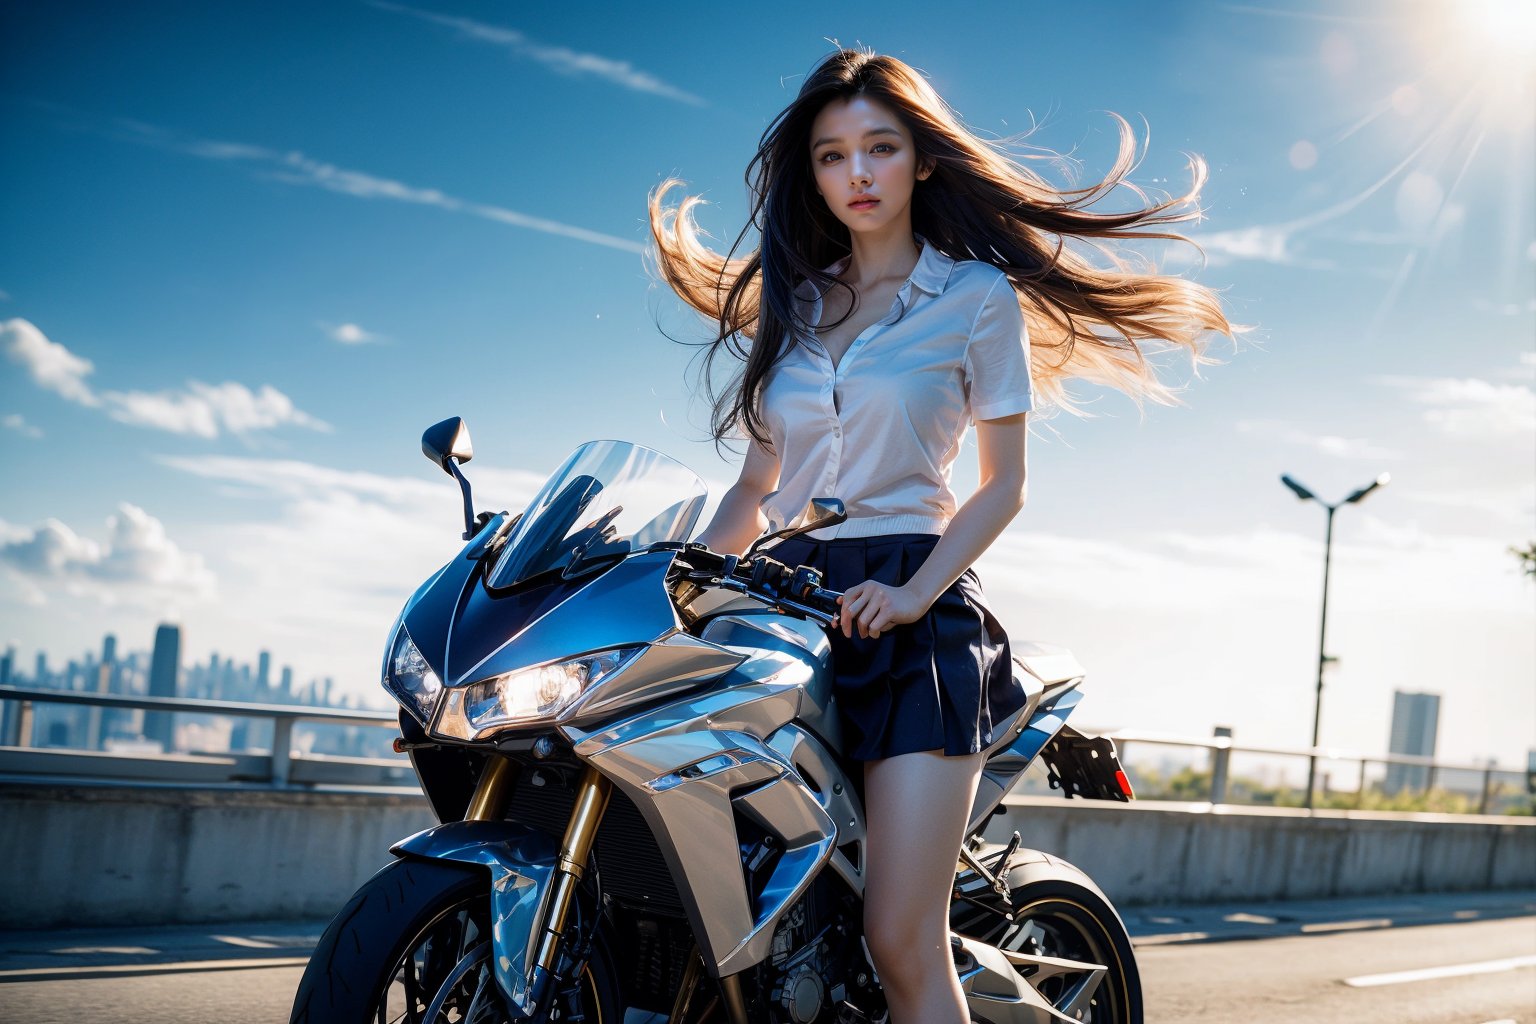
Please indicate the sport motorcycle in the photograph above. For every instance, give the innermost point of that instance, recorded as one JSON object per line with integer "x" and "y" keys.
{"x": 632, "y": 747}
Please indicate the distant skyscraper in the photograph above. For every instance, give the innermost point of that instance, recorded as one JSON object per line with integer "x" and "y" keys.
{"x": 40, "y": 672}
{"x": 287, "y": 683}
{"x": 264, "y": 673}
{"x": 8, "y": 708}
{"x": 109, "y": 649}
{"x": 164, "y": 666}
{"x": 1415, "y": 724}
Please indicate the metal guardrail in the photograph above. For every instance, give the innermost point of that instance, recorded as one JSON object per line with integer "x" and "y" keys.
{"x": 1221, "y": 748}
{"x": 282, "y": 767}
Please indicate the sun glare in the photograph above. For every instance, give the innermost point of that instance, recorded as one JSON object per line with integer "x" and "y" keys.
{"x": 1505, "y": 26}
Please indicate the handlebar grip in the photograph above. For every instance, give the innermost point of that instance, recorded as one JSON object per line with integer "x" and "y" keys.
{"x": 823, "y": 601}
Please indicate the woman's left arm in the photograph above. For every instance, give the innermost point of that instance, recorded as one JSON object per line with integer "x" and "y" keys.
{"x": 1002, "y": 448}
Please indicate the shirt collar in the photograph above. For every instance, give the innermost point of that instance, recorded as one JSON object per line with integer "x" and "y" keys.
{"x": 931, "y": 273}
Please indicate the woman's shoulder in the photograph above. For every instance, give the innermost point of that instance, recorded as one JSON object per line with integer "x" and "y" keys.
{"x": 974, "y": 278}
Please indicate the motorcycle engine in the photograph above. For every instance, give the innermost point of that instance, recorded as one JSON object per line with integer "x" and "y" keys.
{"x": 816, "y": 972}
{"x": 799, "y": 968}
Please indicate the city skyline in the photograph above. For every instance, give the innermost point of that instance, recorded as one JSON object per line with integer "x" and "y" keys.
{"x": 254, "y": 250}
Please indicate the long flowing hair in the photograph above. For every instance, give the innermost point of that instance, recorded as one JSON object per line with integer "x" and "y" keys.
{"x": 980, "y": 202}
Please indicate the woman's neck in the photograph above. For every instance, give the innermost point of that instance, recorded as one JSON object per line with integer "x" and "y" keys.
{"x": 888, "y": 254}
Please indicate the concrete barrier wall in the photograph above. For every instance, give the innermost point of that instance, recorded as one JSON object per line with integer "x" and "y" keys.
{"x": 1178, "y": 853}
{"x": 138, "y": 856}
{"x": 127, "y": 856}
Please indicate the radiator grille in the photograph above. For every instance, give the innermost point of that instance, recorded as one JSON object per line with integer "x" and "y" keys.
{"x": 628, "y": 860}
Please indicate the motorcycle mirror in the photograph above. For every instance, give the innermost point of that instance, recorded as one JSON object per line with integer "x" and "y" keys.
{"x": 823, "y": 512}
{"x": 447, "y": 440}
{"x": 447, "y": 444}
{"x": 820, "y": 512}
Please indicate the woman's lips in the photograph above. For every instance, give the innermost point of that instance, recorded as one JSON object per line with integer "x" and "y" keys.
{"x": 864, "y": 204}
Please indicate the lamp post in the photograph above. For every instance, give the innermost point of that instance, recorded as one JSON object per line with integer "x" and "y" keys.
{"x": 1322, "y": 642}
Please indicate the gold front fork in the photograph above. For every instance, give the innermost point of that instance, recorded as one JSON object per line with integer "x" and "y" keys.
{"x": 489, "y": 802}
{"x": 592, "y": 795}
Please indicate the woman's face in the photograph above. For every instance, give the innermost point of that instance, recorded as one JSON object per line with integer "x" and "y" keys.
{"x": 861, "y": 151}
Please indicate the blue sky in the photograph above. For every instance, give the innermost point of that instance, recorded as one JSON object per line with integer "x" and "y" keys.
{"x": 251, "y": 250}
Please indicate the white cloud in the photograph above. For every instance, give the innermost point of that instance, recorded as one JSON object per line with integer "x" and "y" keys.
{"x": 51, "y": 365}
{"x": 1469, "y": 407}
{"x": 1327, "y": 444}
{"x": 202, "y": 410}
{"x": 557, "y": 58}
{"x": 1513, "y": 505}
{"x": 137, "y": 564}
{"x": 17, "y": 422}
{"x": 296, "y": 168}
{"x": 327, "y": 570}
{"x": 350, "y": 334}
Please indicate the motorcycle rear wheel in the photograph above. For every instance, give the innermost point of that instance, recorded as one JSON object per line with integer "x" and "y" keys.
{"x": 1059, "y": 917}
{"x": 416, "y": 937}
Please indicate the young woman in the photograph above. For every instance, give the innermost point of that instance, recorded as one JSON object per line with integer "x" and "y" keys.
{"x": 911, "y": 279}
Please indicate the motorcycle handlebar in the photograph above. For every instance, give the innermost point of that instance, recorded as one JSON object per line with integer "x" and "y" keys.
{"x": 797, "y": 591}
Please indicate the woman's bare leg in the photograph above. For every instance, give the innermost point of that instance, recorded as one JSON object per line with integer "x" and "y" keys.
{"x": 916, "y": 813}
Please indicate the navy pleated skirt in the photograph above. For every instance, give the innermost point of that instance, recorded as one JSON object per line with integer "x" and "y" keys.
{"x": 939, "y": 683}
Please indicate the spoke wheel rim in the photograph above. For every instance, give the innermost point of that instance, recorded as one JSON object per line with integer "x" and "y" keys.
{"x": 1067, "y": 929}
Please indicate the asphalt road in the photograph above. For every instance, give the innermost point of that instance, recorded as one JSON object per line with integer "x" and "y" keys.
{"x": 1465, "y": 959}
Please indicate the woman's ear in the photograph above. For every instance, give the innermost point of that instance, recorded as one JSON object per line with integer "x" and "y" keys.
{"x": 926, "y": 167}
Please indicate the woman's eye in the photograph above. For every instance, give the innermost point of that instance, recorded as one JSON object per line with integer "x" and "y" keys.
{"x": 885, "y": 145}
{"x": 826, "y": 156}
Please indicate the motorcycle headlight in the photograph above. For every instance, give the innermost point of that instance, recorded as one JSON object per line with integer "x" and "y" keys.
{"x": 476, "y": 711}
{"x": 411, "y": 680}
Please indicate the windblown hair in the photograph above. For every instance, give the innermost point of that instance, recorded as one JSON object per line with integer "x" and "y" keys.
{"x": 980, "y": 202}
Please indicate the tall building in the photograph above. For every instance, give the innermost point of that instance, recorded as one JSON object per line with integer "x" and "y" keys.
{"x": 164, "y": 666}
{"x": 1415, "y": 724}
{"x": 10, "y": 710}
{"x": 264, "y": 674}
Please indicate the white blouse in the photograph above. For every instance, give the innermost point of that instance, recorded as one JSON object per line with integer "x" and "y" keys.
{"x": 881, "y": 429}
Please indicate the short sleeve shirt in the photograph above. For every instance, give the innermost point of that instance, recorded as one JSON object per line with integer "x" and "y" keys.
{"x": 881, "y": 429}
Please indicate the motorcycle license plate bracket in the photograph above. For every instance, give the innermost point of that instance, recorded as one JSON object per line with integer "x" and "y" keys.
{"x": 1085, "y": 766}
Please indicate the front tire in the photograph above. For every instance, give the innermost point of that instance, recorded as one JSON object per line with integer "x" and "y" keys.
{"x": 407, "y": 941}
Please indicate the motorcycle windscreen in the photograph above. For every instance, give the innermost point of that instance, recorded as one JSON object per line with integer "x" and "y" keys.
{"x": 610, "y": 498}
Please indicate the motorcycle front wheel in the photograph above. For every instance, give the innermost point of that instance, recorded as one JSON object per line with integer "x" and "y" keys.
{"x": 413, "y": 946}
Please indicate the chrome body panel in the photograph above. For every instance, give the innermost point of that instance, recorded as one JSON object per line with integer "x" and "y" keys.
{"x": 521, "y": 861}
{"x": 693, "y": 765}
{"x": 671, "y": 665}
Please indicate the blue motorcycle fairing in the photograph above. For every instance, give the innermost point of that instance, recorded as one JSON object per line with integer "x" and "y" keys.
{"x": 625, "y": 605}
{"x": 521, "y": 861}
{"x": 466, "y": 633}
{"x": 1044, "y": 725}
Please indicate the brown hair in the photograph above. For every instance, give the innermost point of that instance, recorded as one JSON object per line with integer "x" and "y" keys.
{"x": 979, "y": 203}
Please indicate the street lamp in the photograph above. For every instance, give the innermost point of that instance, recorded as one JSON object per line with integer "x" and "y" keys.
{"x": 1322, "y": 643}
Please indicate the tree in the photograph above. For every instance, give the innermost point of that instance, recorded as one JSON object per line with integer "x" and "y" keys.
{"x": 1527, "y": 556}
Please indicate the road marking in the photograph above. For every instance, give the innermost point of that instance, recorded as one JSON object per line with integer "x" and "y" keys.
{"x": 1169, "y": 938}
{"x": 1347, "y": 926}
{"x": 105, "y": 950}
{"x": 238, "y": 940}
{"x": 1452, "y": 971}
{"x": 41, "y": 973}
